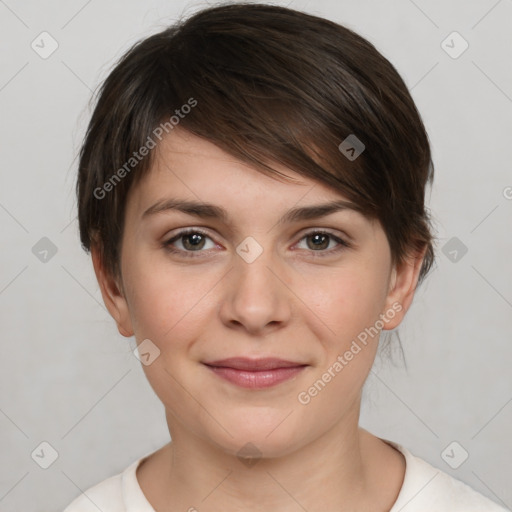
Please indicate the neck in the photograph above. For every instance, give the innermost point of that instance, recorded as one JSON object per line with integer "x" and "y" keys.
{"x": 333, "y": 472}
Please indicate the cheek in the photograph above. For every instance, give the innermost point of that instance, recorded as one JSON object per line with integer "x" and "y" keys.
{"x": 346, "y": 300}
{"x": 169, "y": 308}
{"x": 349, "y": 303}
{"x": 166, "y": 302}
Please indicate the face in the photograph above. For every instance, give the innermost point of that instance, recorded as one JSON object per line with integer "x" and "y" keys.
{"x": 244, "y": 278}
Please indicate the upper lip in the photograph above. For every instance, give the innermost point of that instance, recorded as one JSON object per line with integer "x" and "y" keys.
{"x": 244, "y": 363}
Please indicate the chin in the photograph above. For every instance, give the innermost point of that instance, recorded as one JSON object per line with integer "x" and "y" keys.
{"x": 259, "y": 433}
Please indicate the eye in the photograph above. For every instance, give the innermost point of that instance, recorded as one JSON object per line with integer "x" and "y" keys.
{"x": 191, "y": 240}
{"x": 194, "y": 240}
{"x": 319, "y": 241}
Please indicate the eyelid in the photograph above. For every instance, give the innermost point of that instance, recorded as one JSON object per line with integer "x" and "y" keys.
{"x": 167, "y": 243}
{"x": 344, "y": 241}
{"x": 335, "y": 232}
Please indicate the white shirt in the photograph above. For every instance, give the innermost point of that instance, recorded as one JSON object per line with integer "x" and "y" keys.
{"x": 424, "y": 489}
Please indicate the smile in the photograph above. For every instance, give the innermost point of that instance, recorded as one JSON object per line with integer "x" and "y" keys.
{"x": 255, "y": 373}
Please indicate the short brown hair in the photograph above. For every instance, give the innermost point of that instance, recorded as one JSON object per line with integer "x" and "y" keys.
{"x": 268, "y": 84}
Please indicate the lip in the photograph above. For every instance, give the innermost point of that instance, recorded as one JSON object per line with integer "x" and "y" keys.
{"x": 246, "y": 363}
{"x": 255, "y": 373}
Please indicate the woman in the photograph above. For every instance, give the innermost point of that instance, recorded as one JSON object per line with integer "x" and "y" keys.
{"x": 252, "y": 190}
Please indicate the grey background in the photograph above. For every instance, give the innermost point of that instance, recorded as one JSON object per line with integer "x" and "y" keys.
{"x": 66, "y": 375}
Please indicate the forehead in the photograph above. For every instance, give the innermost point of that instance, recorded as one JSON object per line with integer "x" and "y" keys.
{"x": 199, "y": 161}
{"x": 187, "y": 166}
{"x": 192, "y": 178}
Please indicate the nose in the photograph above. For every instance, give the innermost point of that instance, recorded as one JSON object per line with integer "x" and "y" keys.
{"x": 256, "y": 298}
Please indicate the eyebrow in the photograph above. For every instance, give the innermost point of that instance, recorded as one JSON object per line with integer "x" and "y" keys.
{"x": 211, "y": 211}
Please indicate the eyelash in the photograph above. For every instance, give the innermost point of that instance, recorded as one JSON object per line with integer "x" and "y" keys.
{"x": 192, "y": 254}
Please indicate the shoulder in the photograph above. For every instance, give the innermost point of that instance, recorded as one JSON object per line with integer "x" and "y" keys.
{"x": 118, "y": 493}
{"x": 106, "y": 495}
{"x": 426, "y": 488}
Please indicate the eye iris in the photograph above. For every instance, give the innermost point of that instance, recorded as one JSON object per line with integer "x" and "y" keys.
{"x": 321, "y": 238}
{"x": 195, "y": 239}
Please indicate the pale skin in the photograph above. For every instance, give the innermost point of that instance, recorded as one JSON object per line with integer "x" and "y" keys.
{"x": 290, "y": 302}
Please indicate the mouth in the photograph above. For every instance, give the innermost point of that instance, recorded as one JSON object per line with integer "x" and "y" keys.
{"x": 255, "y": 373}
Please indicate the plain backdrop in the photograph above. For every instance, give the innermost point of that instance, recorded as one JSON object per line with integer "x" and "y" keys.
{"x": 69, "y": 379}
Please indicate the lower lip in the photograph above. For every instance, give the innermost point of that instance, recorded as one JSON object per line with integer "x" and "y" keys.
{"x": 256, "y": 379}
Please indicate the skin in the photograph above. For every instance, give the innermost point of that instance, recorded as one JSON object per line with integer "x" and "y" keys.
{"x": 289, "y": 303}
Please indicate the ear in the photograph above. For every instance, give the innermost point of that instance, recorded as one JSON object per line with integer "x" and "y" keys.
{"x": 402, "y": 285}
{"x": 112, "y": 294}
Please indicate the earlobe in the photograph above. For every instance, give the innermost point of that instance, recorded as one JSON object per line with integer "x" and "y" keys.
{"x": 403, "y": 282}
{"x": 112, "y": 294}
